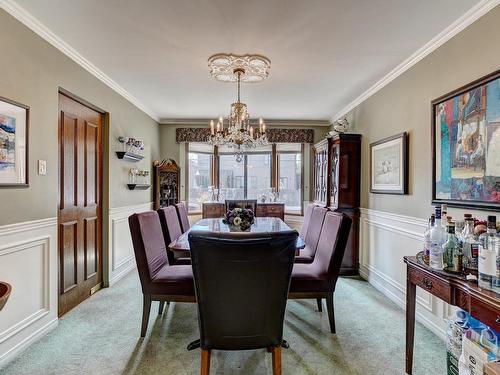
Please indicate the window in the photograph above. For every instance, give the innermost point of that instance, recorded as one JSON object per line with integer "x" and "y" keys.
{"x": 247, "y": 179}
{"x": 199, "y": 174}
{"x": 290, "y": 176}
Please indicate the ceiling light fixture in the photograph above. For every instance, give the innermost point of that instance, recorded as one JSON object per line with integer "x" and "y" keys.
{"x": 239, "y": 134}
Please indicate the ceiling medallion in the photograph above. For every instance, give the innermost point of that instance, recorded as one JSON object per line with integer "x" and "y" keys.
{"x": 255, "y": 67}
{"x": 238, "y": 134}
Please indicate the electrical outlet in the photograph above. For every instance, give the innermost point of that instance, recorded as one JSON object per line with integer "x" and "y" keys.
{"x": 42, "y": 167}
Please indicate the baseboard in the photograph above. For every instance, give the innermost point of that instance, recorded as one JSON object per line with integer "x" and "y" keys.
{"x": 15, "y": 351}
{"x": 121, "y": 274}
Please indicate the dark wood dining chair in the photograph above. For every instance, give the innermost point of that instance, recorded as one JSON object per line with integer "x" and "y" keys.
{"x": 241, "y": 203}
{"x": 311, "y": 239}
{"x": 182, "y": 213}
{"x": 307, "y": 219}
{"x": 159, "y": 280}
{"x": 171, "y": 228}
{"x": 318, "y": 279}
{"x": 241, "y": 283}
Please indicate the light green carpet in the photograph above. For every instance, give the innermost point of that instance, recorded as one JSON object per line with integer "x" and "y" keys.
{"x": 101, "y": 336}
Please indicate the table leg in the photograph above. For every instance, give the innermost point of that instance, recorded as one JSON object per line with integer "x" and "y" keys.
{"x": 411, "y": 290}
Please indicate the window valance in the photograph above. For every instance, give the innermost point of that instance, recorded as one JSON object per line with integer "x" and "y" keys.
{"x": 273, "y": 135}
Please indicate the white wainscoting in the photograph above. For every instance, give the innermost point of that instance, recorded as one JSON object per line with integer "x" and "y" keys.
{"x": 384, "y": 239}
{"x": 121, "y": 255}
{"x": 28, "y": 261}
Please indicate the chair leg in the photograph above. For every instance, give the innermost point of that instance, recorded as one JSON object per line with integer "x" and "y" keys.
{"x": 277, "y": 360}
{"x": 320, "y": 304}
{"x": 205, "y": 362}
{"x": 161, "y": 307}
{"x": 146, "y": 307}
{"x": 331, "y": 311}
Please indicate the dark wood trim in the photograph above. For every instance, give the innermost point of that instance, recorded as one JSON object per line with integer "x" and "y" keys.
{"x": 80, "y": 100}
{"x": 26, "y": 173}
{"x": 478, "y": 205}
{"x": 404, "y": 137}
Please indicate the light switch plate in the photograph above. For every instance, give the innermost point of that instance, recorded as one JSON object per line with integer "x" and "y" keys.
{"x": 42, "y": 167}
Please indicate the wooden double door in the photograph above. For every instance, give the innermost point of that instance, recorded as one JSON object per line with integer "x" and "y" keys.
{"x": 80, "y": 202}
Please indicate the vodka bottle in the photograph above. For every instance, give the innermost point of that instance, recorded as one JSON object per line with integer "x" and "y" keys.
{"x": 470, "y": 247}
{"x": 427, "y": 238}
{"x": 450, "y": 247}
{"x": 462, "y": 234}
{"x": 437, "y": 237}
{"x": 488, "y": 256}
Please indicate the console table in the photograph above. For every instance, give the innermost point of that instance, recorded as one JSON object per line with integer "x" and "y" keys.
{"x": 217, "y": 209}
{"x": 483, "y": 305}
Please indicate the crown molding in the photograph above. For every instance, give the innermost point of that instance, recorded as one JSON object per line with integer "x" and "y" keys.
{"x": 473, "y": 14}
{"x": 23, "y": 16}
{"x": 206, "y": 121}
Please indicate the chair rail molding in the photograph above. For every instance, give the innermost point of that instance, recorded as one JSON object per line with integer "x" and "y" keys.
{"x": 121, "y": 250}
{"x": 384, "y": 239}
{"x": 28, "y": 261}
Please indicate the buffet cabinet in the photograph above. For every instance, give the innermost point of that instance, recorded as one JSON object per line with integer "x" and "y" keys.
{"x": 217, "y": 209}
{"x": 336, "y": 178}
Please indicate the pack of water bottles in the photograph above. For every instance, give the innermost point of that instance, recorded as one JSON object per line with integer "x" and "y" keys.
{"x": 470, "y": 345}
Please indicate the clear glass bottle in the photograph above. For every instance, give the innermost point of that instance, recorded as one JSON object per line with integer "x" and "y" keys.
{"x": 450, "y": 247}
{"x": 444, "y": 213}
{"x": 470, "y": 247}
{"x": 427, "y": 238}
{"x": 437, "y": 237}
{"x": 488, "y": 254}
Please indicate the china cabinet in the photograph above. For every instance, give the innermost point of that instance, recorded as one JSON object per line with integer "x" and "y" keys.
{"x": 336, "y": 178}
{"x": 166, "y": 182}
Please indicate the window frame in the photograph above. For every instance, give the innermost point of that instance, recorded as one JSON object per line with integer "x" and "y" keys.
{"x": 301, "y": 152}
{"x": 186, "y": 174}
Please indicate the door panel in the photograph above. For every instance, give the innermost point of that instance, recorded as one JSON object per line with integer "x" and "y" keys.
{"x": 79, "y": 215}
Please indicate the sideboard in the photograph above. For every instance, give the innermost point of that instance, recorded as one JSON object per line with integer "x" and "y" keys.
{"x": 268, "y": 209}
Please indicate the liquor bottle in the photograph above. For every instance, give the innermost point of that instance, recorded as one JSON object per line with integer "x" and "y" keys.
{"x": 450, "y": 247}
{"x": 444, "y": 213}
{"x": 427, "y": 238}
{"x": 488, "y": 255}
{"x": 470, "y": 247}
{"x": 462, "y": 234}
{"x": 437, "y": 238}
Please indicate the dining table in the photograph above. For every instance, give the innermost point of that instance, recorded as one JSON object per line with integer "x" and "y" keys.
{"x": 261, "y": 224}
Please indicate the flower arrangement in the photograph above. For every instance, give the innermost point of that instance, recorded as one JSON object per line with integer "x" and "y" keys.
{"x": 243, "y": 218}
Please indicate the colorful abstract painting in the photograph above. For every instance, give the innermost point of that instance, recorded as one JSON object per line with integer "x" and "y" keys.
{"x": 14, "y": 118}
{"x": 466, "y": 130}
{"x": 7, "y": 142}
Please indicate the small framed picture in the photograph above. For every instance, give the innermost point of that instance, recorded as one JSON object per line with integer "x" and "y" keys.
{"x": 389, "y": 165}
{"x": 14, "y": 120}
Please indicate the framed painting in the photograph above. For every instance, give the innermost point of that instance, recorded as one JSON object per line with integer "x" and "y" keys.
{"x": 389, "y": 165}
{"x": 14, "y": 121}
{"x": 466, "y": 145}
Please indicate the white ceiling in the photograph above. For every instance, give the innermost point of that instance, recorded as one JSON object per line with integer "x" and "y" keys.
{"x": 324, "y": 53}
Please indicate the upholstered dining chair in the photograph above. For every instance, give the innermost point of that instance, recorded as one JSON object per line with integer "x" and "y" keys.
{"x": 159, "y": 280}
{"x": 182, "y": 213}
{"x": 241, "y": 203}
{"x": 307, "y": 218}
{"x": 241, "y": 283}
{"x": 171, "y": 228}
{"x": 318, "y": 279}
{"x": 311, "y": 238}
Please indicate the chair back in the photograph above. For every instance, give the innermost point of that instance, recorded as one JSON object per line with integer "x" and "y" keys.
{"x": 315, "y": 224}
{"x": 182, "y": 213}
{"x": 149, "y": 245}
{"x": 170, "y": 226}
{"x": 241, "y": 203}
{"x": 307, "y": 219}
{"x": 241, "y": 282}
{"x": 332, "y": 244}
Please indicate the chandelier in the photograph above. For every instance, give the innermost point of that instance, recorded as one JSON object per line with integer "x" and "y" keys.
{"x": 238, "y": 134}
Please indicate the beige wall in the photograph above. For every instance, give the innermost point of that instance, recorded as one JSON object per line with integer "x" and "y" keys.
{"x": 404, "y": 105}
{"x": 31, "y": 72}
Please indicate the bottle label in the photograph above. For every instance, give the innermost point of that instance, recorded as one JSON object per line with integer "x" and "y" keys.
{"x": 487, "y": 261}
{"x": 474, "y": 250}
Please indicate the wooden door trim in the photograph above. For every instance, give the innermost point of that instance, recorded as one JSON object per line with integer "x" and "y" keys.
{"x": 103, "y": 200}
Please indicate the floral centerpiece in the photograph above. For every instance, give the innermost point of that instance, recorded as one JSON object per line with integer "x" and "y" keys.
{"x": 240, "y": 218}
